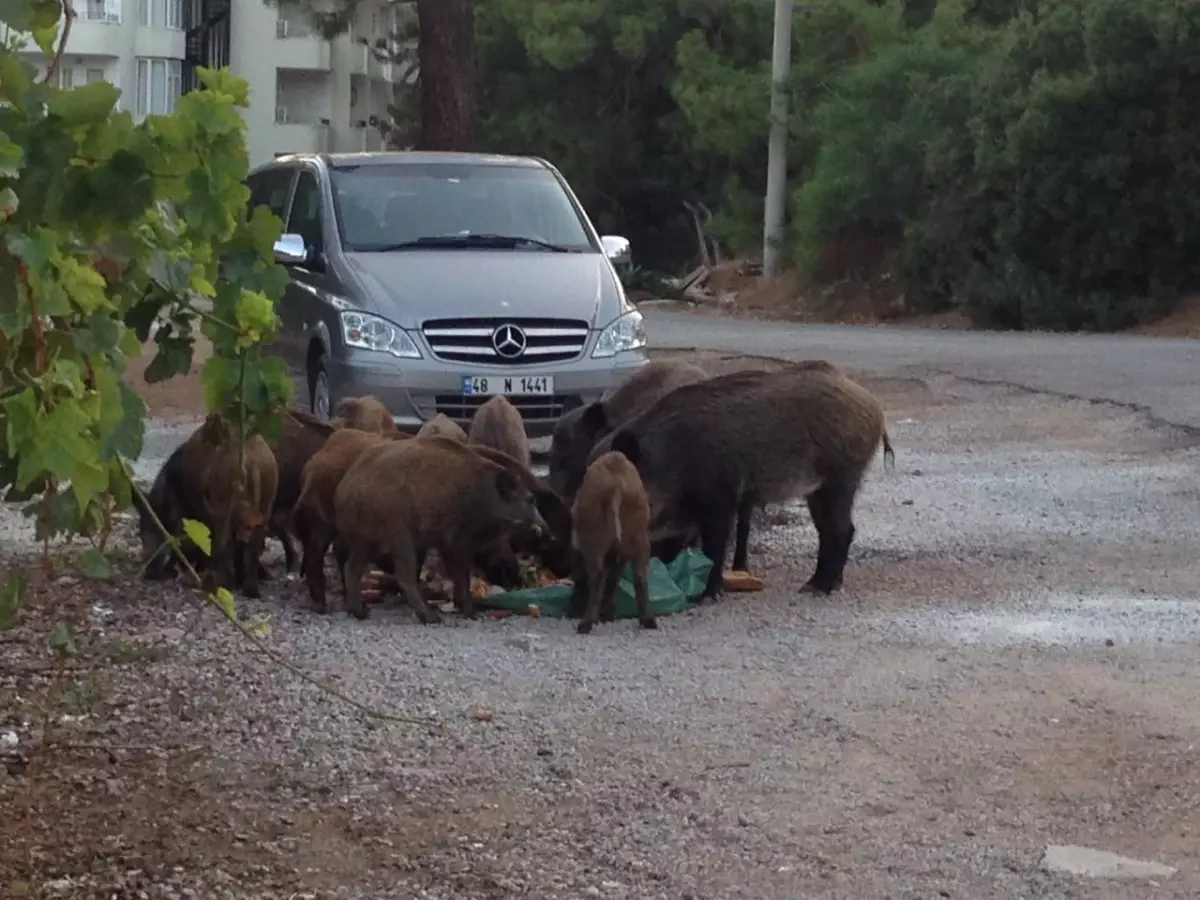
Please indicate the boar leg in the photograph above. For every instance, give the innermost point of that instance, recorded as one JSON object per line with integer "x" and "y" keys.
{"x": 458, "y": 570}
{"x": 579, "y": 591}
{"x": 280, "y": 532}
{"x": 354, "y": 567}
{"x": 741, "y": 546}
{"x": 612, "y": 578}
{"x": 313, "y": 566}
{"x": 830, "y": 507}
{"x": 250, "y": 552}
{"x": 596, "y": 584}
{"x": 716, "y": 524}
{"x": 641, "y": 590}
{"x": 407, "y": 574}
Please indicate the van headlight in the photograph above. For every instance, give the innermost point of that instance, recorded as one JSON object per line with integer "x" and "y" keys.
{"x": 625, "y": 333}
{"x": 367, "y": 332}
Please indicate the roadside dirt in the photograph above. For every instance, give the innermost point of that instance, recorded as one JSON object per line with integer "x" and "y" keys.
{"x": 177, "y": 398}
{"x": 1012, "y": 663}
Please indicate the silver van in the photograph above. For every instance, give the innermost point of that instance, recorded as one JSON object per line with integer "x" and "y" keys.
{"x": 438, "y": 280}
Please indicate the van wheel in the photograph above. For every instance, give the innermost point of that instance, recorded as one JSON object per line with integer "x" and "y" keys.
{"x": 318, "y": 380}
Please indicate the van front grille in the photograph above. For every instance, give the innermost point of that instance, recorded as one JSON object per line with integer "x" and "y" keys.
{"x": 532, "y": 409}
{"x": 505, "y": 342}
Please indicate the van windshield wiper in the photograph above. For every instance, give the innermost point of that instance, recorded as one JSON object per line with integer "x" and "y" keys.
{"x": 470, "y": 242}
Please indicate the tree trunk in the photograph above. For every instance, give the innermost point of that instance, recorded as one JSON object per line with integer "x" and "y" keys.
{"x": 449, "y": 86}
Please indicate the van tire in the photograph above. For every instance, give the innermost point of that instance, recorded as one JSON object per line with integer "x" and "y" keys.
{"x": 320, "y": 399}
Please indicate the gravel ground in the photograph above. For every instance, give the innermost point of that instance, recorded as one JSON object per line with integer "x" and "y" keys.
{"x": 1012, "y": 663}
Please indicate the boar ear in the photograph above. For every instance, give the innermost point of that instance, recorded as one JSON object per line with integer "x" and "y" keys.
{"x": 507, "y": 484}
{"x": 625, "y": 443}
{"x": 594, "y": 418}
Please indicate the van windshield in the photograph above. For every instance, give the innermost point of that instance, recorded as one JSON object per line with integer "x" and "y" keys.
{"x": 451, "y": 206}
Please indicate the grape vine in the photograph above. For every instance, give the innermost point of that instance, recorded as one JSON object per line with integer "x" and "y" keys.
{"x": 114, "y": 233}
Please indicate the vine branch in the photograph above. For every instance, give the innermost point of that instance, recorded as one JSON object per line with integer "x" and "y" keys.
{"x": 69, "y": 14}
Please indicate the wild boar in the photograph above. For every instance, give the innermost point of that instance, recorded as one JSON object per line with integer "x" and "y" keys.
{"x": 238, "y": 519}
{"x": 578, "y": 430}
{"x": 302, "y": 435}
{"x": 498, "y": 424}
{"x": 401, "y": 500}
{"x": 366, "y": 413}
{"x": 313, "y": 517}
{"x": 708, "y": 451}
{"x": 196, "y": 482}
{"x": 552, "y": 546}
{"x": 612, "y": 529}
{"x": 443, "y": 426}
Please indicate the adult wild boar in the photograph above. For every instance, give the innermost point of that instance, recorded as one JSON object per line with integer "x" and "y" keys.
{"x": 313, "y": 517}
{"x": 612, "y": 529}
{"x": 709, "y": 450}
{"x": 577, "y": 431}
{"x": 498, "y": 424}
{"x": 301, "y": 436}
{"x": 366, "y": 413}
{"x": 198, "y": 482}
{"x": 400, "y": 500}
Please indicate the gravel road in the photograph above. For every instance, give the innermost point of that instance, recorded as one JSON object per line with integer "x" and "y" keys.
{"x": 1013, "y": 663}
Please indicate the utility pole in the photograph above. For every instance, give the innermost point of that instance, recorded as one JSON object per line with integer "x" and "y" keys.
{"x": 776, "y": 197}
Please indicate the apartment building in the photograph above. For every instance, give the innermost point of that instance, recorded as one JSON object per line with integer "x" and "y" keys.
{"x": 306, "y": 94}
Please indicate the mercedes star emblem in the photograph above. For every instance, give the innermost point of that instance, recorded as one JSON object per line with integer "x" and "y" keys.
{"x": 509, "y": 341}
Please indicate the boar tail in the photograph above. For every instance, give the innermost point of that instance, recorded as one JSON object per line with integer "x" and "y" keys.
{"x": 889, "y": 455}
{"x": 614, "y": 514}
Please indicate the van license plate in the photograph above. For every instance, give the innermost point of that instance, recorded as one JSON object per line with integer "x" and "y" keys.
{"x": 510, "y": 385}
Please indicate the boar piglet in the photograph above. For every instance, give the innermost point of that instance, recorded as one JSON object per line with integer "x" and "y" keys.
{"x": 498, "y": 424}
{"x": 711, "y": 451}
{"x": 612, "y": 529}
{"x": 442, "y": 426}
{"x": 366, "y": 413}
{"x": 401, "y": 500}
{"x": 576, "y": 432}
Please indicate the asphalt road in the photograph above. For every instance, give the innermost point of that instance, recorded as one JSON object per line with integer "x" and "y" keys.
{"x": 1159, "y": 375}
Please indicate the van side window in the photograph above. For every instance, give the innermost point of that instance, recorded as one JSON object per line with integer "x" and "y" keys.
{"x": 270, "y": 189}
{"x": 305, "y": 219}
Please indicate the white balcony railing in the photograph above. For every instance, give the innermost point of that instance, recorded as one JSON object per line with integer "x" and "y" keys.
{"x": 98, "y": 11}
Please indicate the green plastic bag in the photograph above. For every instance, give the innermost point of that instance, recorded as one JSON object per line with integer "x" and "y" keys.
{"x": 671, "y": 586}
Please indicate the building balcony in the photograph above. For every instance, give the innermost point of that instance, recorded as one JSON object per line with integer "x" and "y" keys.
{"x": 306, "y": 137}
{"x": 297, "y": 46}
{"x": 97, "y": 36}
{"x": 152, "y": 41}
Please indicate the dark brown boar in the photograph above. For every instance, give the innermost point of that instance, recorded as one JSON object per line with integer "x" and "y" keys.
{"x": 498, "y": 424}
{"x": 578, "y": 430}
{"x": 197, "y": 482}
{"x": 399, "y": 501}
{"x": 710, "y": 450}
{"x": 313, "y": 517}
{"x": 442, "y": 426}
{"x": 302, "y": 435}
{"x": 366, "y": 413}
{"x": 612, "y": 529}
{"x": 552, "y": 545}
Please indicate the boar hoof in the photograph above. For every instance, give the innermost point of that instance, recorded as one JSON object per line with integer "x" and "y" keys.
{"x": 433, "y": 617}
{"x": 649, "y": 622}
{"x": 585, "y": 627}
{"x": 360, "y": 612}
{"x": 812, "y": 587}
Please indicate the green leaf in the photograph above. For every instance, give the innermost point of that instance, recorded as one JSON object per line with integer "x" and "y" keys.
{"x": 11, "y": 596}
{"x": 259, "y": 626}
{"x": 224, "y": 599}
{"x": 62, "y": 639}
{"x": 94, "y": 564}
{"x": 199, "y": 534}
{"x": 85, "y": 105}
{"x": 46, "y": 38}
{"x": 88, "y": 481}
{"x": 127, "y": 437}
{"x": 174, "y": 357}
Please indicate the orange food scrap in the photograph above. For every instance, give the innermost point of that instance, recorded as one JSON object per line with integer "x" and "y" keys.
{"x": 736, "y": 580}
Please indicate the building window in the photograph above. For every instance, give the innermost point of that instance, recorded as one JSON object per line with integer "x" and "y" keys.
{"x": 161, "y": 14}
{"x": 66, "y": 77}
{"x": 94, "y": 75}
{"x": 159, "y": 85}
{"x": 99, "y": 10}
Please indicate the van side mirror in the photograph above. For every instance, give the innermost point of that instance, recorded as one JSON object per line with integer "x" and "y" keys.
{"x": 616, "y": 248}
{"x": 290, "y": 250}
